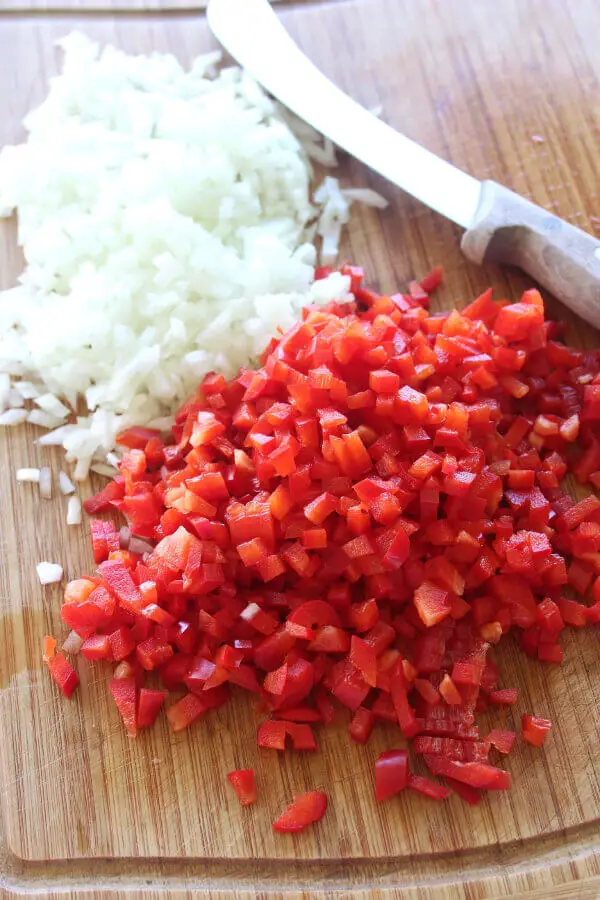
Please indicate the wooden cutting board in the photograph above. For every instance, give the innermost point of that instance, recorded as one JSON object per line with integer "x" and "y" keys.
{"x": 504, "y": 89}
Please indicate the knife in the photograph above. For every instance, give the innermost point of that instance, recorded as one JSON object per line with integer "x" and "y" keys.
{"x": 501, "y": 226}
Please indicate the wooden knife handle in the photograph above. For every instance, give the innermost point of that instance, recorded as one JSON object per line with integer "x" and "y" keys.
{"x": 509, "y": 229}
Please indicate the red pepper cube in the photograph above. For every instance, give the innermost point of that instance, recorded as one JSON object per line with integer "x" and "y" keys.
{"x": 361, "y": 725}
{"x": 305, "y": 810}
{"x": 391, "y": 774}
{"x": 535, "y": 729}
{"x": 244, "y": 785}
{"x": 382, "y": 381}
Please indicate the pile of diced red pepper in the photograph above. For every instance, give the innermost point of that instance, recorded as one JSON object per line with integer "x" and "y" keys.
{"x": 357, "y": 521}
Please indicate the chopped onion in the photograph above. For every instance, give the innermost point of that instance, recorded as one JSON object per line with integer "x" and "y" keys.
{"x": 249, "y": 612}
{"x": 82, "y": 468}
{"x": 103, "y": 469}
{"x": 45, "y": 482}
{"x": 73, "y": 643}
{"x": 43, "y": 419}
{"x": 14, "y": 399}
{"x": 27, "y": 389}
{"x": 32, "y": 475}
{"x": 52, "y": 405}
{"x": 65, "y": 484}
{"x": 56, "y": 437}
{"x": 145, "y": 269}
{"x": 140, "y": 546}
{"x": 49, "y": 573}
{"x": 366, "y": 196}
{"x": 13, "y": 417}
{"x": 74, "y": 511}
{"x": 124, "y": 537}
{"x": 113, "y": 460}
{"x": 162, "y": 423}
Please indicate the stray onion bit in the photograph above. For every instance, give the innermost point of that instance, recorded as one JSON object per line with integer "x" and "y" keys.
{"x": 13, "y": 417}
{"x": 103, "y": 469}
{"x": 74, "y": 511}
{"x": 32, "y": 475}
{"x": 124, "y": 537}
{"x": 45, "y": 482}
{"x": 65, "y": 484}
{"x": 49, "y": 573}
{"x": 43, "y": 419}
{"x": 73, "y": 643}
{"x": 52, "y": 405}
{"x": 82, "y": 468}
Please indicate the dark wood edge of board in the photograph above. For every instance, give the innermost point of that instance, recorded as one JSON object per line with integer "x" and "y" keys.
{"x": 424, "y": 873}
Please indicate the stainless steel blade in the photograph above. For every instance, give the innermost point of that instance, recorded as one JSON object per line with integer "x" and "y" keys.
{"x": 253, "y": 35}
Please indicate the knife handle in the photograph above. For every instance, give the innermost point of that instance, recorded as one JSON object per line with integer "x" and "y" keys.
{"x": 510, "y": 230}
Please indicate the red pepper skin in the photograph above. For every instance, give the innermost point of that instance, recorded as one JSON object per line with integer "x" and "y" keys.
{"x": 114, "y": 490}
{"x": 186, "y": 711}
{"x": 391, "y": 774}
{"x": 60, "y": 668}
{"x": 244, "y": 785}
{"x": 120, "y": 582}
{"x": 124, "y": 693}
{"x": 535, "y": 730}
{"x": 149, "y": 706}
{"x": 421, "y": 785}
{"x": 469, "y": 794}
{"x": 271, "y": 735}
{"x": 305, "y": 810}
{"x": 361, "y": 725}
{"x": 475, "y": 774}
{"x": 136, "y": 437}
{"x": 503, "y": 741}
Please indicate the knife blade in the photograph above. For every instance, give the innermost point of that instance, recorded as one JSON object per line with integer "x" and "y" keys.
{"x": 502, "y": 227}
{"x": 272, "y": 57}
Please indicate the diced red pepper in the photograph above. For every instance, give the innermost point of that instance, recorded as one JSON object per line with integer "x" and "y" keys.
{"x": 305, "y": 809}
{"x": 149, "y": 705}
{"x": 60, "y": 668}
{"x": 356, "y": 520}
{"x": 502, "y": 740}
{"x": 391, "y": 774}
{"x": 421, "y": 785}
{"x": 244, "y": 785}
{"x": 535, "y": 729}
{"x": 124, "y": 692}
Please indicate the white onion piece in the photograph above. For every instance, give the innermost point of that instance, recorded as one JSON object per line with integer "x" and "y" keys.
{"x": 32, "y": 475}
{"x": 49, "y": 573}
{"x": 139, "y": 546}
{"x": 52, "y": 405}
{"x": 73, "y": 643}
{"x": 45, "y": 483}
{"x": 74, "y": 511}
{"x": 65, "y": 484}
{"x": 366, "y": 196}
{"x": 82, "y": 468}
{"x": 43, "y": 419}
{"x": 13, "y": 417}
{"x": 27, "y": 389}
{"x": 103, "y": 469}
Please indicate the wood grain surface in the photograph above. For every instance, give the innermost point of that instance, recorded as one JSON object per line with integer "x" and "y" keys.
{"x": 506, "y": 90}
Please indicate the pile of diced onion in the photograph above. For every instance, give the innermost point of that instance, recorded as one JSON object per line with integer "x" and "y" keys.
{"x": 166, "y": 222}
